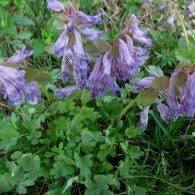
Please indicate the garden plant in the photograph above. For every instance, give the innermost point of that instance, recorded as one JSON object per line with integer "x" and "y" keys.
{"x": 97, "y": 97}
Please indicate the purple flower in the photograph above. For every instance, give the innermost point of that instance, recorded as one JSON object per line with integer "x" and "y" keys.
{"x": 164, "y": 111}
{"x": 143, "y": 83}
{"x": 103, "y": 76}
{"x": 125, "y": 55}
{"x": 91, "y": 34}
{"x": 78, "y": 47}
{"x": 61, "y": 44}
{"x": 172, "y": 99}
{"x": 146, "y": 1}
{"x": 87, "y": 20}
{"x": 63, "y": 93}
{"x": 140, "y": 55}
{"x": 108, "y": 75}
{"x": 31, "y": 92}
{"x": 67, "y": 60}
{"x": 143, "y": 123}
{"x": 20, "y": 56}
{"x": 126, "y": 67}
{"x": 138, "y": 34}
{"x": 72, "y": 17}
{"x": 191, "y": 9}
{"x": 70, "y": 46}
{"x": 187, "y": 96}
{"x": 171, "y": 19}
{"x": 14, "y": 87}
{"x": 94, "y": 83}
{"x": 55, "y": 5}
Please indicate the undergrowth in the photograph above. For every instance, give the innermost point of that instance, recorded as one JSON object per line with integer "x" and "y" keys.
{"x": 70, "y": 146}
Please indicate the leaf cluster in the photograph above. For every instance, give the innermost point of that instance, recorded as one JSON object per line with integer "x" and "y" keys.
{"x": 66, "y": 147}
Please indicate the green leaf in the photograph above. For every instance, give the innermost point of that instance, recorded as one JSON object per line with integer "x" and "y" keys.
{"x": 86, "y": 136}
{"x": 133, "y": 132}
{"x": 92, "y": 50}
{"x": 49, "y": 48}
{"x": 4, "y": 2}
{"x": 38, "y": 46}
{"x": 139, "y": 190}
{"x": 83, "y": 3}
{"x": 105, "y": 179}
{"x": 109, "y": 36}
{"x": 67, "y": 105}
{"x": 135, "y": 151}
{"x": 108, "y": 99}
{"x": 21, "y": 189}
{"x": 88, "y": 147}
{"x": 161, "y": 82}
{"x": 182, "y": 54}
{"x": 59, "y": 24}
{"x": 147, "y": 97}
{"x": 70, "y": 182}
{"x": 5, "y": 185}
{"x": 27, "y": 183}
{"x": 115, "y": 51}
{"x": 23, "y": 20}
{"x": 16, "y": 155}
{"x": 88, "y": 113}
{"x": 8, "y": 135}
{"x": 180, "y": 79}
{"x": 155, "y": 71}
{"x": 24, "y": 35}
{"x": 17, "y": 43}
{"x": 3, "y": 12}
{"x": 17, "y": 175}
{"x": 11, "y": 29}
{"x": 10, "y": 64}
{"x": 102, "y": 45}
{"x": 84, "y": 163}
{"x": 37, "y": 74}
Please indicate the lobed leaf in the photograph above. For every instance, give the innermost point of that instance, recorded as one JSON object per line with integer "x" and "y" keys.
{"x": 102, "y": 45}
{"x": 161, "y": 82}
{"x": 147, "y": 97}
{"x": 180, "y": 79}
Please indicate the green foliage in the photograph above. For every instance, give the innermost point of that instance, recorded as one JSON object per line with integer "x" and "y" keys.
{"x": 164, "y": 45}
{"x": 147, "y": 97}
{"x": 66, "y": 145}
{"x": 8, "y": 135}
{"x": 132, "y": 5}
{"x": 161, "y": 82}
{"x": 70, "y": 147}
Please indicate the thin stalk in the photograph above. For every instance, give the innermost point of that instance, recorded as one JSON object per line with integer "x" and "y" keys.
{"x": 84, "y": 97}
{"x": 123, "y": 112}
{"x": 158, "y": 178}
{"x": 44, "y": 90}
{"x": 184, "y": 30}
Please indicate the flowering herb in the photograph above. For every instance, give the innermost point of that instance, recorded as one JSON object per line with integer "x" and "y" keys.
{"x": 14, "y": 86}
{"x": 122, "y": 63}
{"x": 180, "y": 95}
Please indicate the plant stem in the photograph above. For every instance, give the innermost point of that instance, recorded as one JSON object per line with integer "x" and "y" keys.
{"x": 123, "y": 112}
{"x": 84, "y": 97}
{"x": 184, "y": 30}
{"x": 158, "y": 178}
{"x": 44, "y": 90}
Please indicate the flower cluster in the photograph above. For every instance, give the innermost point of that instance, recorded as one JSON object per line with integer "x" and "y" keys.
{"x": 13, "y": 85}
{"x": 122, "y": 63}
{"x": 190, "y": 9}
{"x": 69, "y": 45}
{"x": 180, "y": 96}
